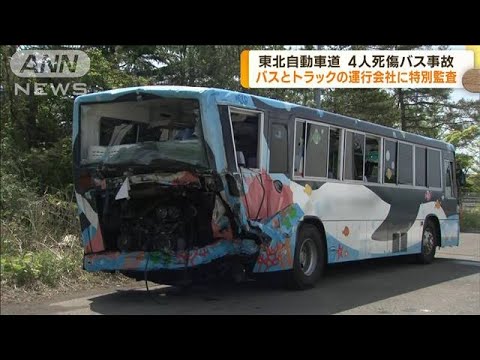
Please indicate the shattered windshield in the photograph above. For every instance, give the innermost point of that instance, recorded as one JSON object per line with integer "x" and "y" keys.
{"x": 142, "y": 132}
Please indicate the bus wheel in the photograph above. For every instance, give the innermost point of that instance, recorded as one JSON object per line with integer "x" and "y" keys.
{"x": 429, "y": 242}
{"x": 309, "y": 260}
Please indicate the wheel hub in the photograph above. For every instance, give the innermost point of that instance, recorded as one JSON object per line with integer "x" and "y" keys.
{"x": 428, "y": 241}
{"x": 308, "y": 257}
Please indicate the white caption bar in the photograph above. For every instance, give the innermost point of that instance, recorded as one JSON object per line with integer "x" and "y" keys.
{"x": 355, "y": 69}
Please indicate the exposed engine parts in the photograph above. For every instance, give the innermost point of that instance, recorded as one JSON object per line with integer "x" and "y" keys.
{"x": 155, "y": 218}
{"x": 161, "y": 228}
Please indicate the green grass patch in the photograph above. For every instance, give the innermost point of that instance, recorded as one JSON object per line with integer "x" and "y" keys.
{"x": 45, "y": 267}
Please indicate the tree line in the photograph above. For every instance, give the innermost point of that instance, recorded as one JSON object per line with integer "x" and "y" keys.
{"x": 36, "y": 130}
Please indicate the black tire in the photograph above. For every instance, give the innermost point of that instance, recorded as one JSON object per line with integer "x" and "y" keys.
{"x": 305, "y": 272}
{"x": 429, "y": 243}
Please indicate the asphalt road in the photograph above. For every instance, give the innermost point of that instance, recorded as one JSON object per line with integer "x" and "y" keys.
{"x": 451, "y": 285}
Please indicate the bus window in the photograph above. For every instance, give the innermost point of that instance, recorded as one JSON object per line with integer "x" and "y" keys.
{"x": 372, "y": 151}
{"x": 420, "y": 168}
{"x": 278, "y": 149}
{"x": 433, "y": 168}
{"x": 299, "y": 148}
{"x": 246, "y": 129}
{"x": 316, "y": 151}
{"x": 117, "y": 132}
{"x": 334, "y": 154}
{"x": 405, "y": 164}
{"x": 354, "y": 154}
{"x": 448, "y": 166}
{"x": 390, "y": 162}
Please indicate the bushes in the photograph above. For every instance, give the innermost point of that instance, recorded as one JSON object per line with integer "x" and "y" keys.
{"x": 39, "y": 241}
{"x": 43, "y": 266}
{"x": 50, "y": 167}
{"x": 38, "y": 222}
{"x": 39, "y": 233}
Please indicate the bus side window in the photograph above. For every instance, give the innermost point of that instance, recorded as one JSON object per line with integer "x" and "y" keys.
{"x": 449, "y": 190}
{"x": 316, "y": 150}
{"x": 354, "y": 156}
{"x": 405, "y": 164}
{"x": 372, "y": 149}
{"x": 433, "y": 168}
{"x": 299, "y": 148}
{"x": 420, "y": 166}
{"x": 390, "y": 162}
{"x": 246, "y": 129}
{"x": 278, "y": 149}
{"x": 334, "y": 159}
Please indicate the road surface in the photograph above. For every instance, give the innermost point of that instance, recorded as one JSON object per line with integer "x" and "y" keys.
{"x": 451, "y": 285}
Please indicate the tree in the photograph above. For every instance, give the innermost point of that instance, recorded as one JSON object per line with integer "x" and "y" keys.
{"x": 375, "y": 105}
{"x": 423, "y": 111}
{"x": 464, "y": 133}
{"x": 37, "y": 129}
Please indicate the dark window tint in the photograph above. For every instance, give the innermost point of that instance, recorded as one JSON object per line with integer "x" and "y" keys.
{"x": 245, "y": 134}
{"x": 433, "y": 168}
{"x": 299, "y": 148}
{"x": 278, "y": 149}
{"x": 354, "y": 150}
{"x": 448, "y": 166}
{"x": 334, "y": 154}
{"x": 372, "y": 150}
{"x": 420, "y": 168}
{"x": 317, "y": 150}
{"x": 390, "y": 162}
{"x": 405, "y": 164}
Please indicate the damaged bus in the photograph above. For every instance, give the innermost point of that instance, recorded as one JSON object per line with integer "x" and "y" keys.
{"x": 181, "y": 182}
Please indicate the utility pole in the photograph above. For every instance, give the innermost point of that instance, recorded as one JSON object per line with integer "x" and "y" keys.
{"x": 318, "y": 91}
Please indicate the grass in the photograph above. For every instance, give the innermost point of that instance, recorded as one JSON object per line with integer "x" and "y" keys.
{"x": 40, "y": 248}
{"x": 44, "y": 266}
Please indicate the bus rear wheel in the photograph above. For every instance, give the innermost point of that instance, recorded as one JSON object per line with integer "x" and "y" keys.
{"x": 309, "y": 260}
{"x": 429, "y": 243}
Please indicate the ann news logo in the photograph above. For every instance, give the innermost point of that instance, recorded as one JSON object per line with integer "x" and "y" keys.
{"x": 50, "y": 64}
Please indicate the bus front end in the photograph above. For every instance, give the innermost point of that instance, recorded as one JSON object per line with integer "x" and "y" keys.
{"x": 146, "y": 184}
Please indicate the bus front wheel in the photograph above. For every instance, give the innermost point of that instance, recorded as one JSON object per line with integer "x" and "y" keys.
{"x": 429, "y": 243}
{"x": 309, "y": 260}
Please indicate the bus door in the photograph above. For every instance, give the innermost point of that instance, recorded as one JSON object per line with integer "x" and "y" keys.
{"x": 263, "y": 195}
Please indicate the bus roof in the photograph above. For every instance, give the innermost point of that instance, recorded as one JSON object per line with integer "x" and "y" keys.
{"x": 253, "y": 101}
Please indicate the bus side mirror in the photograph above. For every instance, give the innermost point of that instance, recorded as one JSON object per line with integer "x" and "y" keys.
{"x": 461, "y": 178}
